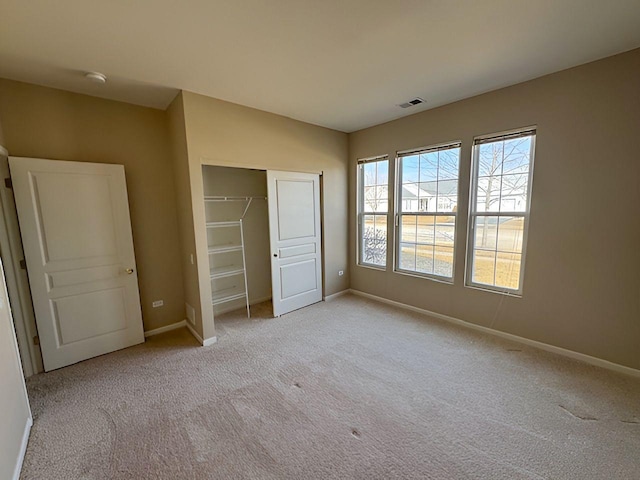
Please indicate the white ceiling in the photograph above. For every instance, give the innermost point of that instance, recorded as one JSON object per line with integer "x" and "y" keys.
{"x": 343, "y": 64}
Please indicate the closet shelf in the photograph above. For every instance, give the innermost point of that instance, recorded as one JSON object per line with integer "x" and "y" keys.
{"x": 228, "y": 271}
{"x": 229, "y": 247}
{"x": 213, "y": 198}
{"x": 231, "y": 271}
{"x": 227, "y": 295}
{"x": 234, "y": 223}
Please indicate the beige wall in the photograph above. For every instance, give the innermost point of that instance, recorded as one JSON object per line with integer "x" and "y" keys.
{"x": 47, "y": 123}
{"x": 180, "y": 169}
{"x": 2, "y": 142}
{"x": 243, "y": 182}
{"x": 226, "y": 134}
{"x": 582, "y": 281}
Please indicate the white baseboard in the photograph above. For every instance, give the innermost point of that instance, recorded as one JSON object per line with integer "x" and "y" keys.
{"x": 23, "y": 448}
{"x": 204, "y": 343}
{"x": 333, "y": 296}
{"x": 532, "y": 343}
{"x": 209, "y": 341}
{"x": 166, "y": 328}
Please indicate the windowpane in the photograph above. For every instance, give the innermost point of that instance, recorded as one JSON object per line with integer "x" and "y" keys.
{"x": 408, "y": 229}
{"x": 370, "y": 175}
{"x": 513, "y": 196}
{"x": 374, "y": 240}
{"x": 424, "y": 258}
{"x": 490, "y": 158}
{"x": 407, "y": 256}
{"x": 445, "y": 231}
{"x": 508, "y": 270}
{"x": 429, "y": 185}
{"x": 443, "y": 264}
{"x": 501, "y": 185}
{"x": 382, "y": 198}
{"x": 382, "y": 170}
{"x": 447, "y": 196}
{"x": 370, "y": 199}
{"x": 373, "y": 204}
{"x": 516, "y": 155}
{"x": 449, "y": 164}
{"x": 410, "y": 169}
{"x": 488, "y": 194}
{"x": 510, "y": 233}
{"x": 428, "y": 195}
{"x": 486, "y": 229}
{"x": 425, "y": 229}
{"x": 409, "y": 197}
{"x": 484, "y": 266}
{"x": 429, "y": 166}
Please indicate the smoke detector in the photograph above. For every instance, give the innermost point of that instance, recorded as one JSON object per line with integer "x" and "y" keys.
{"x": 412, "y": 103}
{"x": 96, "y": 77}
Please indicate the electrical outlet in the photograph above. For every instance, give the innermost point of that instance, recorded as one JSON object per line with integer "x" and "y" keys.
{"x": 340, "y": 273}
{"x": 157, "y": 303}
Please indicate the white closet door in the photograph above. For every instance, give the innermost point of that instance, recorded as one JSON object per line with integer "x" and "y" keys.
{"x": 76, "y": 231}
{"x": 294, "y": 230}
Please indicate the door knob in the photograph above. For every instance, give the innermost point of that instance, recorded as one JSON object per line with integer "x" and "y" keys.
{"x": 275, "y": 254}
{"x": 129, "y": 271}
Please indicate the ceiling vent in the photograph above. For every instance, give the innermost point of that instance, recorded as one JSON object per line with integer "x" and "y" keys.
{"x": 412, "y": 103}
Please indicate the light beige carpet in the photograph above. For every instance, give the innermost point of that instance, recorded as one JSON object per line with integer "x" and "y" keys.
{"x": 347, "y": 389}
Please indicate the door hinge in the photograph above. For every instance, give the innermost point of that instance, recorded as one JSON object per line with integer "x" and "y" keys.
{"x": 23, "y": 264}
{"x": 8, "y": 183}
{"x": 36, "y": 340}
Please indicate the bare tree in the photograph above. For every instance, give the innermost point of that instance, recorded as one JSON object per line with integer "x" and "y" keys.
{"x": 374, "y": 195}
{"x": 496, "y": 160}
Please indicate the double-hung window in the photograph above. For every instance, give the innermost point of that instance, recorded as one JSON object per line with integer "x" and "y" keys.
{"x": 427, "y": 209}
{"x": 373, "y": 211}
{"x": 499, "y": 210}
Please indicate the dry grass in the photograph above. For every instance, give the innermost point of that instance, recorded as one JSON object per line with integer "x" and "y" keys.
{"x": 491, "y": 268}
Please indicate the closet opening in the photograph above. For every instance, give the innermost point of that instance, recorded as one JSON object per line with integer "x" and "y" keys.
{"x": 237, "y": 217}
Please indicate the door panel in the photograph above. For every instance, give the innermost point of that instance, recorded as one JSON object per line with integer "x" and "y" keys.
{"x": 297, "y": 278}
{"x": 76, "y": 232}
{"x": 296, "y": 209}
{"x": 106, "y": 308}
{"x": 294, "y": 230}
{"x": 55, "y": 197}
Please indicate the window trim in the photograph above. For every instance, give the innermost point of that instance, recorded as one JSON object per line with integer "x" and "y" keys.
{"x": 360, "y": 212}
{"x": 398, "y": 213}
{"x": 472, "y": 214}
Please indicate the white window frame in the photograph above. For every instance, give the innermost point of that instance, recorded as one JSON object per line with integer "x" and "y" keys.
{"x": 398, "y": 213}
{"x": 361, "y": 213}
{"x": 520, "y": 132}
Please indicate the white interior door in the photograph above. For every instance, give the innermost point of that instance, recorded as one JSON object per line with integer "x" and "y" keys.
{"x": 294, "y": 230}
{"x": 14, "y": 404}
{"x": 76, "y": 232}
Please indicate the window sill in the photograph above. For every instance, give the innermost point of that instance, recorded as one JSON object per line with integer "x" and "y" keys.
{"x": 446, "y": 281}
{"x": 372, "y": 267}
{"x": 488, "y": 289}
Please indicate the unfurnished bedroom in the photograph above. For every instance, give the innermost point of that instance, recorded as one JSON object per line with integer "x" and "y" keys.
{"x": 320, "y": 240}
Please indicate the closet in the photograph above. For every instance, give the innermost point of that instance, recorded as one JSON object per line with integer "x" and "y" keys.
{"x": 237, "y": 225}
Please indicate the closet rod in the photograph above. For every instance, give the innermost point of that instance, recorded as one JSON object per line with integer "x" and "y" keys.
{"x": 231, "y": 199}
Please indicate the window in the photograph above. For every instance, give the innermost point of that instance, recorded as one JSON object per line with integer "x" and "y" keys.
{"x": 428, "y": 200}
{"x": 373, "y": 210}
{"x": 499, "y": 210}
